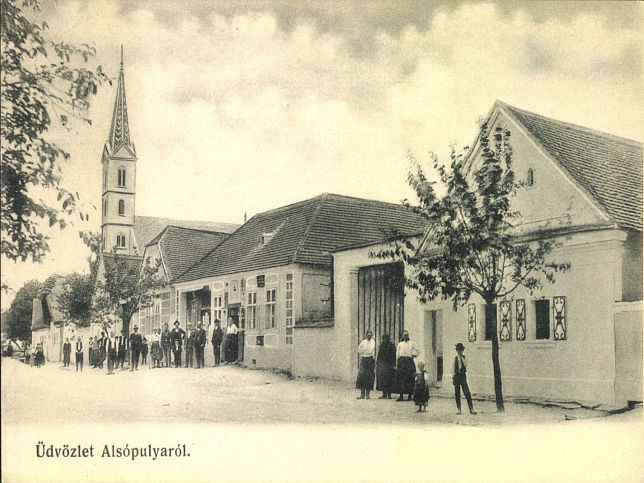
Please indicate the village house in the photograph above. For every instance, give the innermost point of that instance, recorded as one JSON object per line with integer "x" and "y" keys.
{"x": 273, "y": 275}
{"x": 577, "y": 339}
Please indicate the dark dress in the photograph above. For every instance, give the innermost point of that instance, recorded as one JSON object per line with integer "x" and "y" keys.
{"x": 386, "y": 368}
{"x": 421, "y": 389}
{"x": 365, "y": 374}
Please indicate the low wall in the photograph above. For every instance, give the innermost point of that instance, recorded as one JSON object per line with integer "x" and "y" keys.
{"x": 628, "y": 352}
{"x": 313, "y": 354}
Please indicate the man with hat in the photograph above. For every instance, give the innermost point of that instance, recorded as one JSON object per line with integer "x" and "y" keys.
{"x": 176, "y": 337}
{"x": 406, "y": 351}
{"x": 166, "y": 344}
{"x": 460, "y": 379}
{"x": 217, "y": 338}
{"x": 121, "y": 343}
{"x": 200, "y": 344}
{"x": 135, "y": 346}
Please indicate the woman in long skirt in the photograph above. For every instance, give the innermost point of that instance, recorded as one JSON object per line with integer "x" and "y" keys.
{"x": 40, "y": 355}
{"x": 386, "y": 368}
{"x": 366, "y": 375}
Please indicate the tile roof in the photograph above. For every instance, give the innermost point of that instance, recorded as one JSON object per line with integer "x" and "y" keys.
{"x": 132, "y": 262}
{"x": 146, "y": 228}
{"x": 608, "y": 167}
{"x": 305, "y": 232}
{"x": 182, "y": 247}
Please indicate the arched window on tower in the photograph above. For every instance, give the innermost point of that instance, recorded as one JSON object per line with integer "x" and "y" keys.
{"x": 530, "y": 177}
{"x": 104, "y": 177}
{"x": 121, "y": 208}
{"x": 120, "y": 240}
{"x": 121, "y": 177}
{"x": 104, "y": 208}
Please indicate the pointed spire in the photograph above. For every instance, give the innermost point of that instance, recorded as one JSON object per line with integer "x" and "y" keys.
{"x": 120, "y": 129}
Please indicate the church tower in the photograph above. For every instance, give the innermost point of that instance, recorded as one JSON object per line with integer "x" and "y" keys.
{"x": 119, "y": 179}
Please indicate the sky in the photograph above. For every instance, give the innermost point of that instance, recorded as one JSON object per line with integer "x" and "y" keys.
{"x": 240, "y": 107}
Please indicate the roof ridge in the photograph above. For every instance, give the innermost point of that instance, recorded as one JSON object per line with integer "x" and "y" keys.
{"x": 572, "y": 125}
{"x": 205, "y": 230}
{"x": 286, "y": 207}
{"x": 323, "y": 197}
{"x": 185, "y": 221}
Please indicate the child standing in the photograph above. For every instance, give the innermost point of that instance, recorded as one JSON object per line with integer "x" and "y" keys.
{"x": 421, "y": 387}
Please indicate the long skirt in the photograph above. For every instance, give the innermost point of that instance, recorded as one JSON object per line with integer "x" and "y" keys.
{"x": 365, "y": 374}
{"x": 66, "y": 357}
{"x": 386, "y": 377}
{"x": 94, "y": 357}
{"x": 405, "y": 375}
{"x": 230, "y": 351}
{"x": 39, "y": 360}
{"x": 157, "y": 352}
{"x": 421, "y": 391}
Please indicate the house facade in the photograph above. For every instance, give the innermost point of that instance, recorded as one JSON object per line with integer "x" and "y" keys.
{"x": 577, "y": 339}
{"x": 274, "y": 275}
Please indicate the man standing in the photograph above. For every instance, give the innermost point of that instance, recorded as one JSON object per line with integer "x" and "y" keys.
{"x": 217, "y": 338}
{"x": 176, "y": 337}
{"x": 406, "y": 351}
{"x": 111, "y": 351}
{"x": 67, "y": 352}
{"x": 166, "y": 344}
{"x": 79, "y": 354}
{"x": 190, "y": 345}
{"x": 231, "y": 341}
{"x": 200, "y": 344}
{"x": 135, "y": 346}
{"x": 102, "y": 354}
{"x": 460, "y": 379}
{"x": 121, "y": 344}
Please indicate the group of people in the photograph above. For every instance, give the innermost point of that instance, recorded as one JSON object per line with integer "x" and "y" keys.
{"x": 165, "y": 348}
{"x": 398, "y": 372}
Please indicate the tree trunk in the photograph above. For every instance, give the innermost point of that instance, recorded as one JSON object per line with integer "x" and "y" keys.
{"x": 490, "y": 318}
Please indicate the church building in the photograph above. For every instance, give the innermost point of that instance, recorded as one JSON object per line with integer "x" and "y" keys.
{"x": 124, "y": 234}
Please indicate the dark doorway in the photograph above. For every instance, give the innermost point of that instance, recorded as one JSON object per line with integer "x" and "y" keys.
{"x": 234, "y": 312}
{"x": 381, "y": 292}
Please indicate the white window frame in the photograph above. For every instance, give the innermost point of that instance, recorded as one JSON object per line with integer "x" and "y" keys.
{"x": 251, "y": 310}
{"x": 218, "y": 305}
{"x": 269, "y": 314}
{"x": 289, "y": 309}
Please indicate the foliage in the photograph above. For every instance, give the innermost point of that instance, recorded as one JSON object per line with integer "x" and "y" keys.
{"x": 19, "y": 313}
{"x": 75, "y": 301}
{"x": 472, "y": 246}
{"x": 93, "y": 241}
{"x": 125, "y": 286}
{"x": 40, "y": 85}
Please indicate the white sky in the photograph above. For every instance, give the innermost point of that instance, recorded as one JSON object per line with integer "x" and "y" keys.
{"x": 241, "y": 107}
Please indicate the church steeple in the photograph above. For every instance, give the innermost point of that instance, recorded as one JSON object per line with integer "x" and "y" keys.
{"x": 119, "y": 179}
{"x": 120, "y": 129}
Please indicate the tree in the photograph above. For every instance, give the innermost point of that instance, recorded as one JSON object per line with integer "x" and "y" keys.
{"x": 125, "y": 287}
{"x": 19, "y": 313}
{"x": 40, "y": 84}
{"x": 472, "y": 246}
{"x": 75, "y": 301}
